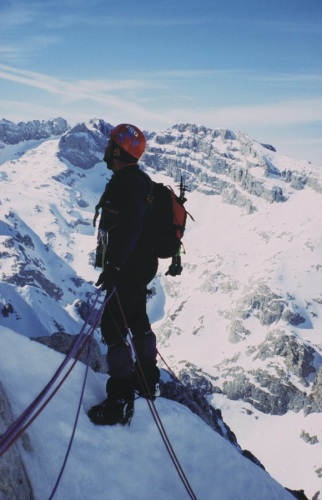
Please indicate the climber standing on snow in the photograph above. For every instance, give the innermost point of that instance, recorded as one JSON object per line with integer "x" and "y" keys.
{"x": 128, "y": 264}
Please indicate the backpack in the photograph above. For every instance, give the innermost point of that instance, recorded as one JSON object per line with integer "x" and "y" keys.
{"x": 168, "y": 218}
{"x": 166, "y": 224}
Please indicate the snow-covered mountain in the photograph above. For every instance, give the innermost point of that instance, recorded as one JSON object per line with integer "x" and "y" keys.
{"x": 242, "y": 323}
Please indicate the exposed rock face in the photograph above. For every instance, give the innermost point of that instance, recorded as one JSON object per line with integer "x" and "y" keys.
{"x": 225, "y": 161}
{"x": 270, "y": 390}
{"x": 27, "y": 267}
{"x": 268, "y": 306}
{"x": 194, "y": 151}
{"x": 63, "y": 342}
{"x": 315, "y": 398}
{"x": 298, "y": 357}
{"x": 264, "y": 391}
{"x": 288, "y": 378}
{"x": 11, "y": 133}
{"x": 281, "y": 372}
{"x": 263, "y": 304}
{"x": 196, "y": 400}
{"x": 14, "y": 482}
{"x": 84, "y": 145}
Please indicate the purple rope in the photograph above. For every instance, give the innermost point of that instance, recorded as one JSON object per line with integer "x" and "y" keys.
{"x": 17, "y": 427}
{"x": 89, "y": 350}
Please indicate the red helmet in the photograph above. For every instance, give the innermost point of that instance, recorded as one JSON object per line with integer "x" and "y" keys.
{"x": 129, "y": 138}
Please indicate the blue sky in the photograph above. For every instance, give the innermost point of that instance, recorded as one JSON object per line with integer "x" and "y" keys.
{"x": 250, "y": 65}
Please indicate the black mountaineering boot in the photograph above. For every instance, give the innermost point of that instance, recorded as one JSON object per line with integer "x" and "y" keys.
{"x": 112, "y": 412}
{"x": 118, "y": 408}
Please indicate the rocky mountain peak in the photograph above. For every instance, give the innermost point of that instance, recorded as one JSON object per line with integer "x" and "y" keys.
{"x": 84, "y": 144}
{"x": 11, "y": 133}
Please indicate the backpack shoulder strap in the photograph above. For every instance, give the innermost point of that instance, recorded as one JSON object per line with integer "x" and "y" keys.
{"x": 150, "y": 184}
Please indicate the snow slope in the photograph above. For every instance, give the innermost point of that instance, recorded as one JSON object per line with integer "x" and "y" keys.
{"x": 119, "y": 462}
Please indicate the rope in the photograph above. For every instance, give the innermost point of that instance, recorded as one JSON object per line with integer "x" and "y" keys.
{"x": 19, "y": 426}
{"x": 89, "y": 349}
{"x": 156, "y": 416}
{"x": 170, "y": 369}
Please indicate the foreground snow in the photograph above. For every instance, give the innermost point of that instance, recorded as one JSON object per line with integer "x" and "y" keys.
{"x": 119, "y": 462}
{"x": 251, "y": 427}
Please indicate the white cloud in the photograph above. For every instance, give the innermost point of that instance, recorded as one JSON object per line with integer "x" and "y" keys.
{"x": 19, "y": 52}
{"x": 104, "y": 93}
{"x": 139, "y": 101}
{"x": 90, "y": 89}
{"x": 283, "y": 113}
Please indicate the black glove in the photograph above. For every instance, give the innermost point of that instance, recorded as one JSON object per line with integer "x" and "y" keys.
{"x": 108, "y": 278}
{"x": 175, "y": 269}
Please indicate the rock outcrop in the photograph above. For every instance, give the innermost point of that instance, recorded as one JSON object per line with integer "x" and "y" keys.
{"x": 84, "y": 145}
{"x": 12, "y": 133}
{"x": 14, "y": 481}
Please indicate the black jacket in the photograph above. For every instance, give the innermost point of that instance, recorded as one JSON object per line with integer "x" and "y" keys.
{"x": 125, "y": 213}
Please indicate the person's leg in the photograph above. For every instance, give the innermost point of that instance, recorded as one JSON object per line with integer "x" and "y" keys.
{"x": 145, "y": 345}
{"x": 119, "y": 405}
{"x": 126, "y": 308}
{"x": 114, "y": 331}
{"x": 146, "y": 373}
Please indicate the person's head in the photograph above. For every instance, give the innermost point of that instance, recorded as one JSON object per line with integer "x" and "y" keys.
{"x": 126, "y": 145}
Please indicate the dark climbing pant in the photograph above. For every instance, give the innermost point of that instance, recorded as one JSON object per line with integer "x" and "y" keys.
{"x": 132, "y": 296}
